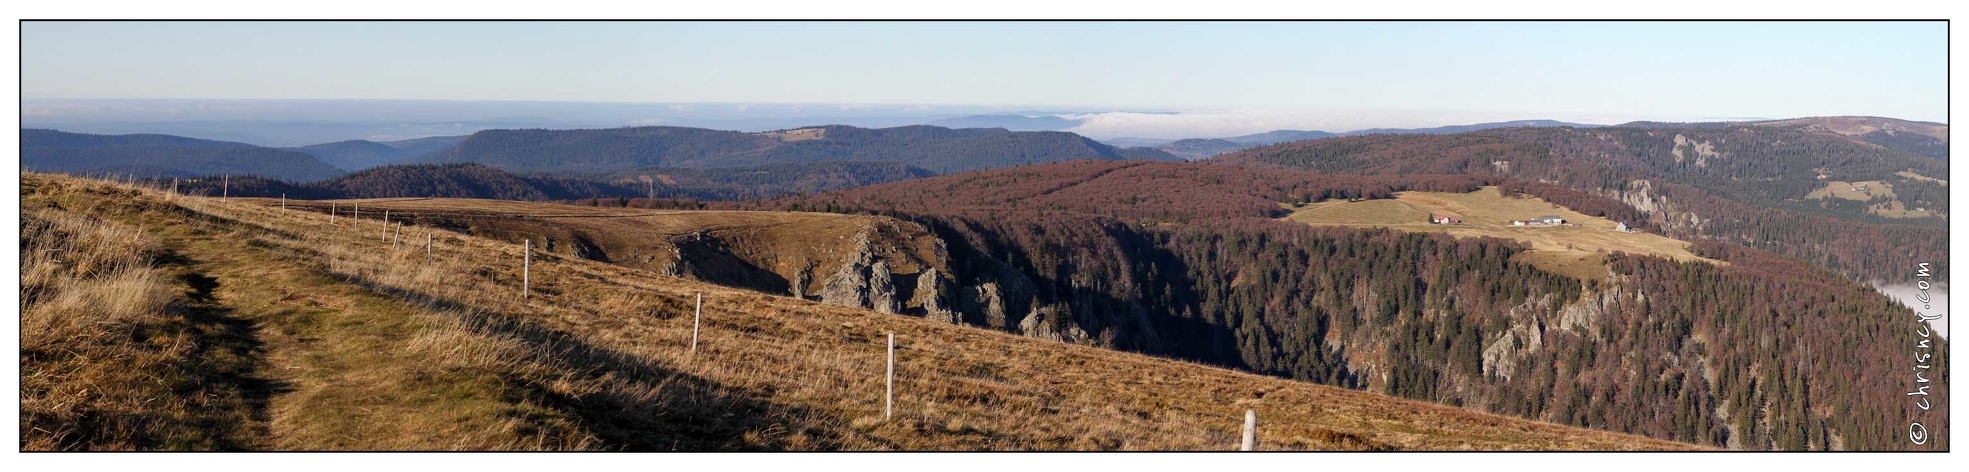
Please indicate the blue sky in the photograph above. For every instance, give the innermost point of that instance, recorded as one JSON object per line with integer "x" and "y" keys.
{"x": 1528, "y": 70}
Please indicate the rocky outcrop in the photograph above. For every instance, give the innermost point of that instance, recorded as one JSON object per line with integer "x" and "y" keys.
{"x": 931, "y": 294}
{"x": 849, "y": 285}
{"x": 1641, "y": 195}
{"x": 862, "y": 281}
{"x": 881, "y": 288}
{"x": 800, "y": 281}
{"x": 984, "y": 301}
{"x": 1052, "y": 323}
{"x": 1584, "y": 315}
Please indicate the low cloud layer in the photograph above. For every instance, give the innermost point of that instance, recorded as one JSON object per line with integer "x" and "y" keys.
{"x": 1937, "y": 299}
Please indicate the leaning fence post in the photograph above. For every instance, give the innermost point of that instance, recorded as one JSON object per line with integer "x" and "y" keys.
{"x": 396, "y": 239}
{"x": 1250, "y": 430}
{"x": 526, "y": 271}
{"x": 696, "y": 320}
{"x": 889, "y": 388}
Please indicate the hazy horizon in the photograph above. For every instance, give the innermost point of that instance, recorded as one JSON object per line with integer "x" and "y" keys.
{"x": 1120, "y": 79}
{"x": 304, "y": 122}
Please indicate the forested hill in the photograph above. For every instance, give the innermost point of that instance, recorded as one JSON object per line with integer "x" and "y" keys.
{"x": 1920, "y": 138}
{"x": 359, "y": 154}
{"x": 1188, "y": 260}
{"x": 479, "y": 181}
{"x": 150, "y": 155}
{"x": 429, "y": 180}
{"x": 937, "y": 149}
{"x": 1799, "y": 189}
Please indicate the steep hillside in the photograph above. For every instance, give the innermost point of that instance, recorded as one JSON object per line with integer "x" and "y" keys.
{"x": 936, "y": 149}
{"x": 1187, "y": 260}
{"x": 1742, "y": 183}
{"x": 150, "y": 155}
{"x": 348, "y": 341}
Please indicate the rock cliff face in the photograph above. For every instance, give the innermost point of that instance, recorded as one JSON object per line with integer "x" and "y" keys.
{"x": 1642, "y": 195}
{"x": 932, "y": 293}
{"x": 849, "y": 286}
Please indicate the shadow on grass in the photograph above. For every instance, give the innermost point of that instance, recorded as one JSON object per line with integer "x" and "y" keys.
{"x": 661, "y": 409}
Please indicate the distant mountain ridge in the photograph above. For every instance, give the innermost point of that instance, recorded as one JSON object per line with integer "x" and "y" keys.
{"x": 152, "y": 155}
{"x": 358, "y": 154}
{"x": 1204, "y": 148}
{"x": 471, "y": 180}
{"x": 936, "y": 149}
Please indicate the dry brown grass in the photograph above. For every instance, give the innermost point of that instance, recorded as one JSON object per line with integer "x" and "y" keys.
{"x": 112, "y": 356}
{"x": 757, "y": 250}
{"x": 1577, "y": 251}
{"x": 449, "y": 356}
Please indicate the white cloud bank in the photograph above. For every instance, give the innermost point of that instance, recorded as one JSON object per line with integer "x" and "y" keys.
{"x": 1937, "y": 298}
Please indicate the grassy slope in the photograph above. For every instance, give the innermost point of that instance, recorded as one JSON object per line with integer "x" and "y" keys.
{"x": 1569, "y": 250}
{"x": 369, "y": 347}
{"x": 782, "y": 243}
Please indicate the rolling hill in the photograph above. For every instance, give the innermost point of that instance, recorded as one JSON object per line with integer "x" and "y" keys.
{"x": 152, "y": 155}
{"x": 287, "y": 329}
{"x": 478, "y": 181}
{"x": 933, "y": 148}
{"x": 1204, "y": 148}
{"x": 355, "y": 155}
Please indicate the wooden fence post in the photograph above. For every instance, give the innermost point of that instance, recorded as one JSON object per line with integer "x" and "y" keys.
{"x": 526, "y": 271}
{"x": 1250, "y": 430}
{"x": 697, "y": 320}
{"x": 386, "y": 223}
{"x": 283, "y": 205}
{"x": 396, "y": 240}
{"x": 889, "y": 389}
{"x": 357, "y": 215}
{"x": 332, "y": 210}
{"x": 427, "y": 247}
{"x": 225, "y": 189}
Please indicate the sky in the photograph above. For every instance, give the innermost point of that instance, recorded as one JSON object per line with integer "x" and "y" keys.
{"x": 1234, "y": 75}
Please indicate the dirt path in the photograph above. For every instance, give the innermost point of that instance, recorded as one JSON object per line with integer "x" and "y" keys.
{"x": 345, "y": 360}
